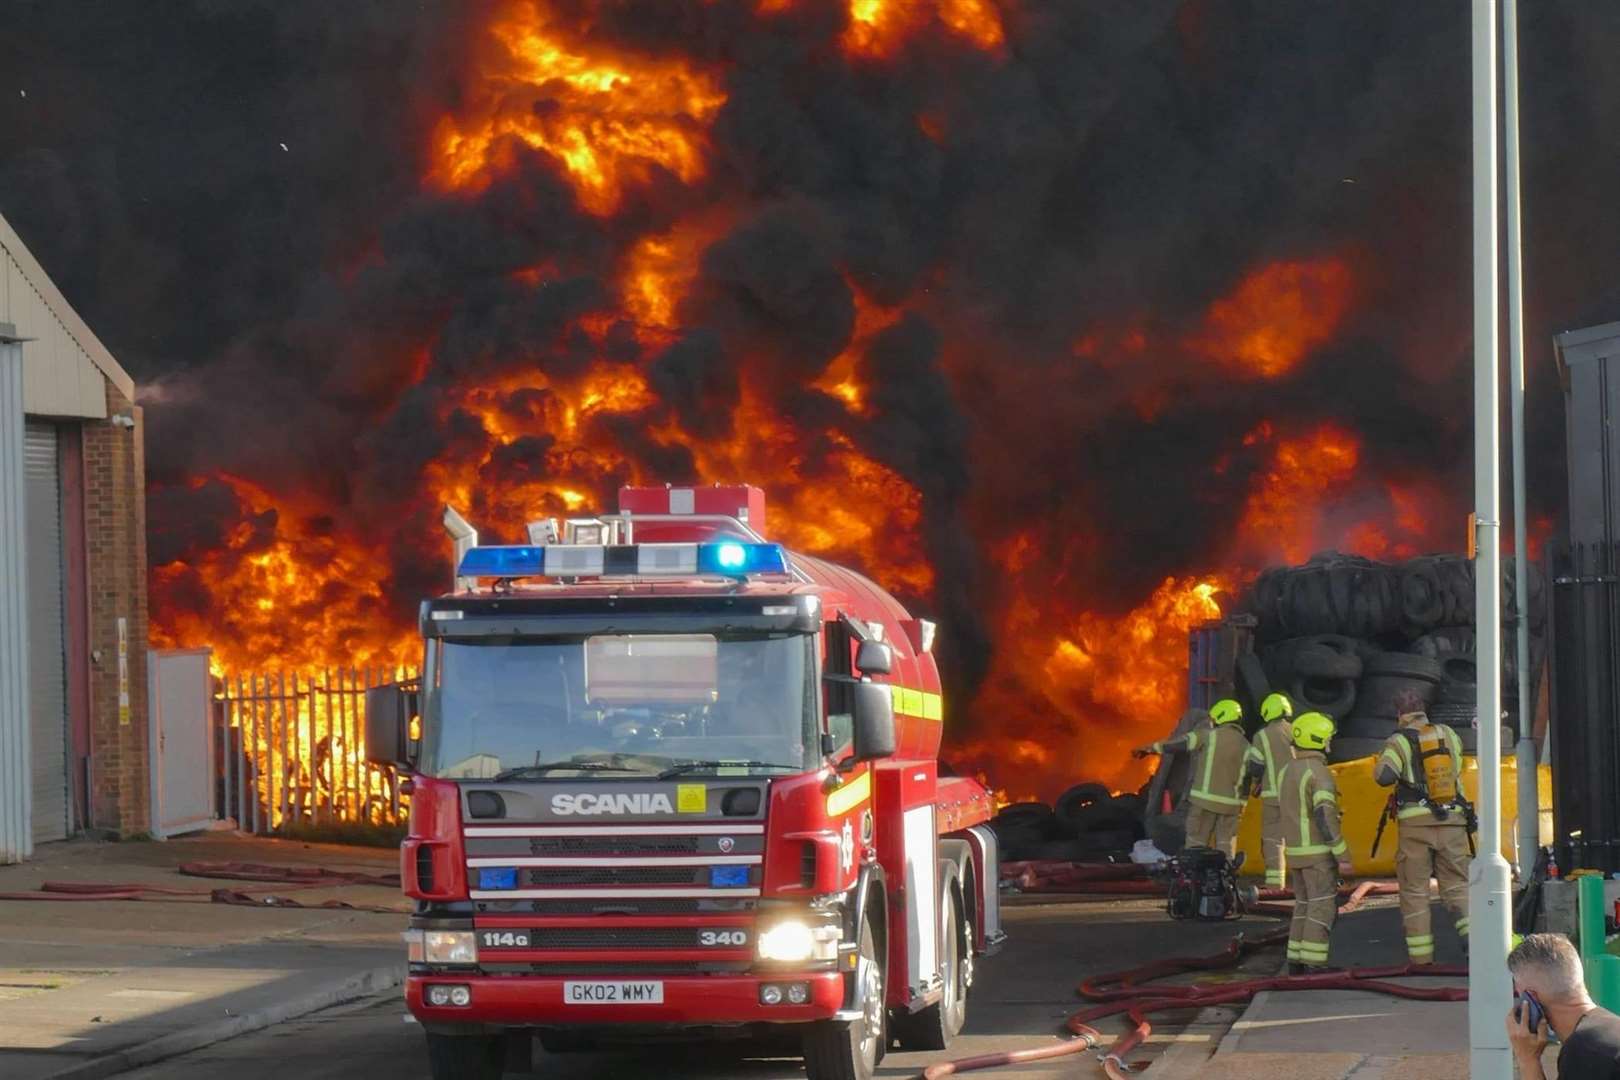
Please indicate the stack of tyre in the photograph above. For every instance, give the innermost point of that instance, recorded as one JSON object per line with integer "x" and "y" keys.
{"x": 1088, "y": 823}
{"x": 1347, "y": 636}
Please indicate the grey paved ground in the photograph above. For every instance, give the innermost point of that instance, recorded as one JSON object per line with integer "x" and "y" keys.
{"x": 1022, "y": 998}
{"x": 83, "y": 980}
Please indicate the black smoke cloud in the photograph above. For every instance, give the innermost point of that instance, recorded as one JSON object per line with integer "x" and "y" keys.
{"x": 231, "y": 193}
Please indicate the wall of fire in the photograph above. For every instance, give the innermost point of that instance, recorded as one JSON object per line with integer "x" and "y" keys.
{"x": 73, "y": 706}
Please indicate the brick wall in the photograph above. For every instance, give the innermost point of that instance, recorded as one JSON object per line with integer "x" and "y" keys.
{"x": 115, "y": 553}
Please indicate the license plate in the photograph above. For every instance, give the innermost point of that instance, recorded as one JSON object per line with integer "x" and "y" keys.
{"x": 613, "y": 993}
{"x": 503, "y": 939}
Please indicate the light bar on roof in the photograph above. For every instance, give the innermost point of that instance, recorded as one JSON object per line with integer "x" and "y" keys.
{"x": 727, "y": 558}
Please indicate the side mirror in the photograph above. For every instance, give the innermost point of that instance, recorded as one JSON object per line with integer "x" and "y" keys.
{"x": 874, "y": 721}
{"x": 388, "y": 718}
{"x": 874, "y": 658}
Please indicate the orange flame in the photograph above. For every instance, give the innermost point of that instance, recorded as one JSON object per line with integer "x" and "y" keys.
{"x": 1103, "y": 683}
{"x": 1277, "y": 316}
{"x": 611, "y": 120}
{"x": 878, "y": 28}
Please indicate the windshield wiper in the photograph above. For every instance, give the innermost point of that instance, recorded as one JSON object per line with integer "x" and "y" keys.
{"x": 693, "y": 766}
{"x": 518, "y": 772}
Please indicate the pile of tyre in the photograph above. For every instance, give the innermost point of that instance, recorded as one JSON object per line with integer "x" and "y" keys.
{"x": 1088, "y": 823}
{"x": 1346, "y": 636}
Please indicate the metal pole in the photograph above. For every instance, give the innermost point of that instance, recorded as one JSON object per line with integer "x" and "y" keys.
{"x": 1489, "y": 987}
{"x": 1529, "y": 807}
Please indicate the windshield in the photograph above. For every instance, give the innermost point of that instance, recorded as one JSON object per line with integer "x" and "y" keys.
{"x": 613, "y": 705}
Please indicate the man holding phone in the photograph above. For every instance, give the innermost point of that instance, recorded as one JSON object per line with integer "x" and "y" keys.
{"x": 1550, "y": 1000}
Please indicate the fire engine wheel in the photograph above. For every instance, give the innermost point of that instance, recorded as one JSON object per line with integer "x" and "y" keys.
{"x": 838, "y": 1050}
{"x": 466, "y": 1057}
{"x": 934, "y": 1027}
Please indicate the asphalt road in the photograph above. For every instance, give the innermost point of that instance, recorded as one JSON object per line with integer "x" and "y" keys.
{"x": 1022, "y": 997}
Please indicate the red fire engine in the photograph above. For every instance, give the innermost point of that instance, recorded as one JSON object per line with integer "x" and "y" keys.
{"x": 670, "y": 778}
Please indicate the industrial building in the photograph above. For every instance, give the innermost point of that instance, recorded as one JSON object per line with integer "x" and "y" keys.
{"x": 73, "y": 696}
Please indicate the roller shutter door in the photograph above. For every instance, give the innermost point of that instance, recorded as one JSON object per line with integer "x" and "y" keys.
{"x": 47, "y": 666}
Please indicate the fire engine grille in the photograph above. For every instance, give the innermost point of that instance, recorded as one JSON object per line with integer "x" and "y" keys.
{"x": 622, "y": 937}
{"x": 614, "y": 845}
{"x": 628, "y": 906}
{"x": 618, "y": 875}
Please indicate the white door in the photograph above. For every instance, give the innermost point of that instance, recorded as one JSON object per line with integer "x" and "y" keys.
{"x": 47, "y": 664}
{"x": 182, "y": 741}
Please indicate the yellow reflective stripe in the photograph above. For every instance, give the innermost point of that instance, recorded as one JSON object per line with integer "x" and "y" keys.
{"x": 1192, "y": 740}
{"x": 1324, "y": 797}
{"x": 1341, "y": 847}
{"x": 1304, "y": 813}
{"x": 1222, "y": 799}
{"x": 1456, "y": 754}
{"x": 1390, "y": 758}
{"x": 920, "y": 703}
{"x": 1403, "y": 757}
{"x": 850, "y": 795}
{"x": 1308, "y": 849}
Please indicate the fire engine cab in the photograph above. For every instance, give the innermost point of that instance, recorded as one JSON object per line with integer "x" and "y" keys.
{"x": 670, "y": 778}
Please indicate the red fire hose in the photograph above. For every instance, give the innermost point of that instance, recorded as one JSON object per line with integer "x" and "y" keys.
{"x": 1124, "y": 992}
{"x": 289, "y": 878}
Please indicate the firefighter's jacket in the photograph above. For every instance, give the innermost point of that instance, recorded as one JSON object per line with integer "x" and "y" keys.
{"x": 1310, "y": 808}
{"x": 1273, "y": 748}
{"x": 1435, "y": 770}
{"x": 1219, "y": 753}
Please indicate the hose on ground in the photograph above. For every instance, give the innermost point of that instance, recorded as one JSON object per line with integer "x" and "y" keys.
{"x": 289, "y": 878}
{"x": 1126, "y": 992}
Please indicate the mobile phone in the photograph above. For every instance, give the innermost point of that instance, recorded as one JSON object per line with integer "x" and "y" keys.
{"x": 1527, "y": 999}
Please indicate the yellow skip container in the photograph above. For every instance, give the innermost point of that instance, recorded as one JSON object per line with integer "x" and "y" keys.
{"x": 1363, "y": 802}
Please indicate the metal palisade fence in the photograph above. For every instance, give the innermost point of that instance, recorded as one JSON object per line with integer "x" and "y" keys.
{"x": 292, "y": 751}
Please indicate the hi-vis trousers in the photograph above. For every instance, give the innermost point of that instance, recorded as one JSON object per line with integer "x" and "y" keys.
{"x": 1315, "y": 881}
{"x": 1206, "y": 828}
{"x": 1272, "y": 843}
{"x": 1441, "y": 850}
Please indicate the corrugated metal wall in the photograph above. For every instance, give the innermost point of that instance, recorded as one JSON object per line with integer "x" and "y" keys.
{"x": 16, "y": 781}
{"x": 47, "y": 663}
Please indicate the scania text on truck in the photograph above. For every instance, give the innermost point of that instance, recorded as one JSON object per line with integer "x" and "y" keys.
{"x": 668, "y": 778}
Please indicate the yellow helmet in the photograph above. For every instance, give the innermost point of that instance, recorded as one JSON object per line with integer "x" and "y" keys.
{"x": 1226, "y": 711}
{"x": 1313, "y": 731}
{"x": 1276, "y": 707}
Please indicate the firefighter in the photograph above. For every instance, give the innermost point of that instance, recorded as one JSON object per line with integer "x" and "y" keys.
{"x": 1273, "y": 748}
{"x": 1314, "y": 845}
{"x": 1215, "y": 801}
{"x": 1435, "y": 822}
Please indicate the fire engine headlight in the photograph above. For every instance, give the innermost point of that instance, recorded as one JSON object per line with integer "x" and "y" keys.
{"x": 450, "y": 947}
{"x": 794, "y": 941}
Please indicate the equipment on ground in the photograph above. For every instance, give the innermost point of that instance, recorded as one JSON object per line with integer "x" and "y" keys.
{"x": 671, "y": 779}
{"x": 1203, "y": 885}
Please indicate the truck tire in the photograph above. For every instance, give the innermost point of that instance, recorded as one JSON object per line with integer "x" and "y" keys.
{"x": 850, "y": 1050}
{"x": 1072, "y": 805}
{"x": 466, "y": 1057}
{"x": 933, "y": 1028}
{"x": 1336, "y": 697}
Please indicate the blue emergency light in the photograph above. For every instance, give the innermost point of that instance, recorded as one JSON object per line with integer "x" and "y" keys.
{"x": 732, "y": 559}
{"x": 728, "y": 877}
{"x": 497, "y": 877}
{"x": 727, "y": 558}
{"x": 503, "y": 562}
